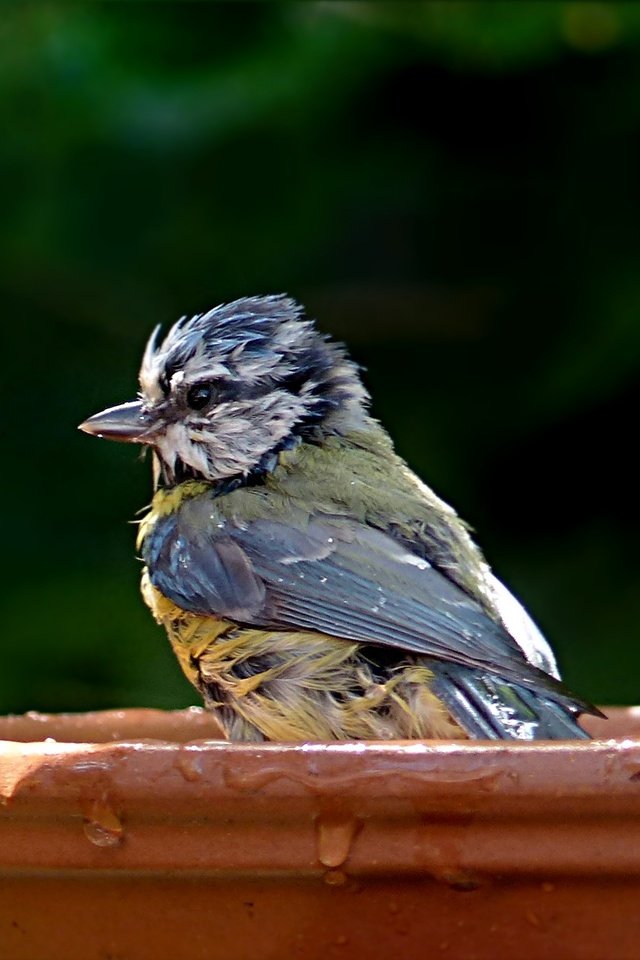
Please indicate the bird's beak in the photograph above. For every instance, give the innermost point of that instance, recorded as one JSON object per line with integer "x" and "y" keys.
{"x": 128, "y": 422}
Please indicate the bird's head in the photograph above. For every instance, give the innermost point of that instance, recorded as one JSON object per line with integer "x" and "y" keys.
{"x": 224, "y": 391}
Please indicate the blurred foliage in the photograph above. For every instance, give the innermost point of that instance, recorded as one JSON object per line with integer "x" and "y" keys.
{"x": 451, "y": 187}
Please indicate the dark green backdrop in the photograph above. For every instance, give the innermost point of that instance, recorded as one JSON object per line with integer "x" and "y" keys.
{"x": 453, "y": 188}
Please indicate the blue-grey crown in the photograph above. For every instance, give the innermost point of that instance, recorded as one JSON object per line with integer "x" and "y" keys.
{"x": 259, "y": 342}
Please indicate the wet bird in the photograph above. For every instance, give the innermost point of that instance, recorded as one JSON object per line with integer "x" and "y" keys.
{"x": 312, "y": 587}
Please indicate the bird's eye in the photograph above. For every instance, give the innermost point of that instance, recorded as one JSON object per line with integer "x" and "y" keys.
{"x": 199, "y": 395}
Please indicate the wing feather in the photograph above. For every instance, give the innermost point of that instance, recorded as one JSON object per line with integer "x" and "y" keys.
{"x": 336, "y": 576}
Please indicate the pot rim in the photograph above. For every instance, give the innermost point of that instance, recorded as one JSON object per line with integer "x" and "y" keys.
{"x": 451, "y": 809}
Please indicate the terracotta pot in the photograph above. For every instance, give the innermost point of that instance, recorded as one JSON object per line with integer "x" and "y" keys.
{"x": 127, "y": 835}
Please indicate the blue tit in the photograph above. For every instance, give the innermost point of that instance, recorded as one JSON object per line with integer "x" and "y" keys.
{"x": 312, "y": 587}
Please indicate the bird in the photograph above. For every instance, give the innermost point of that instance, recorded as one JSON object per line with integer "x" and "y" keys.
{"x": 312, "y": 587}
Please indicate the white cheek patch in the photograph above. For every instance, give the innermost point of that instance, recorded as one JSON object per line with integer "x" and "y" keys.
{"x": 235, "y": 437}
{"x": 166, "y": 445}
{"x": 196, "y": 457}
{"x": 175, "y": 444}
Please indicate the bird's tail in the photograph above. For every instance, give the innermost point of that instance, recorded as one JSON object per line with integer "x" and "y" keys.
{"x": 491, "y": 708}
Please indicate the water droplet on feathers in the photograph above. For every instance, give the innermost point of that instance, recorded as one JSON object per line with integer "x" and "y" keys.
{"x": 102, "y": 826}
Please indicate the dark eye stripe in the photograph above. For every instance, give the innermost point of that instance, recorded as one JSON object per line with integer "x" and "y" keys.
{"x": 200, "y": 395}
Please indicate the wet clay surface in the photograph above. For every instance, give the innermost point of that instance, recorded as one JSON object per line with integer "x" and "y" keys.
{"x": 105, "y": 726}
{"x": 134, "y": 834}
{"x": 203, "y": 918}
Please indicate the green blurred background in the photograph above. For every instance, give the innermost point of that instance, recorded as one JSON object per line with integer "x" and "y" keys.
{"x": 452, "y": 188}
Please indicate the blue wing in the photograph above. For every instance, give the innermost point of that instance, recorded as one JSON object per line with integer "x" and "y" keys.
{"x": 337, "y": 576}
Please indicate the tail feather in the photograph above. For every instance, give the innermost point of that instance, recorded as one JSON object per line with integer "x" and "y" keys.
{"x": 490, "y": 708}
